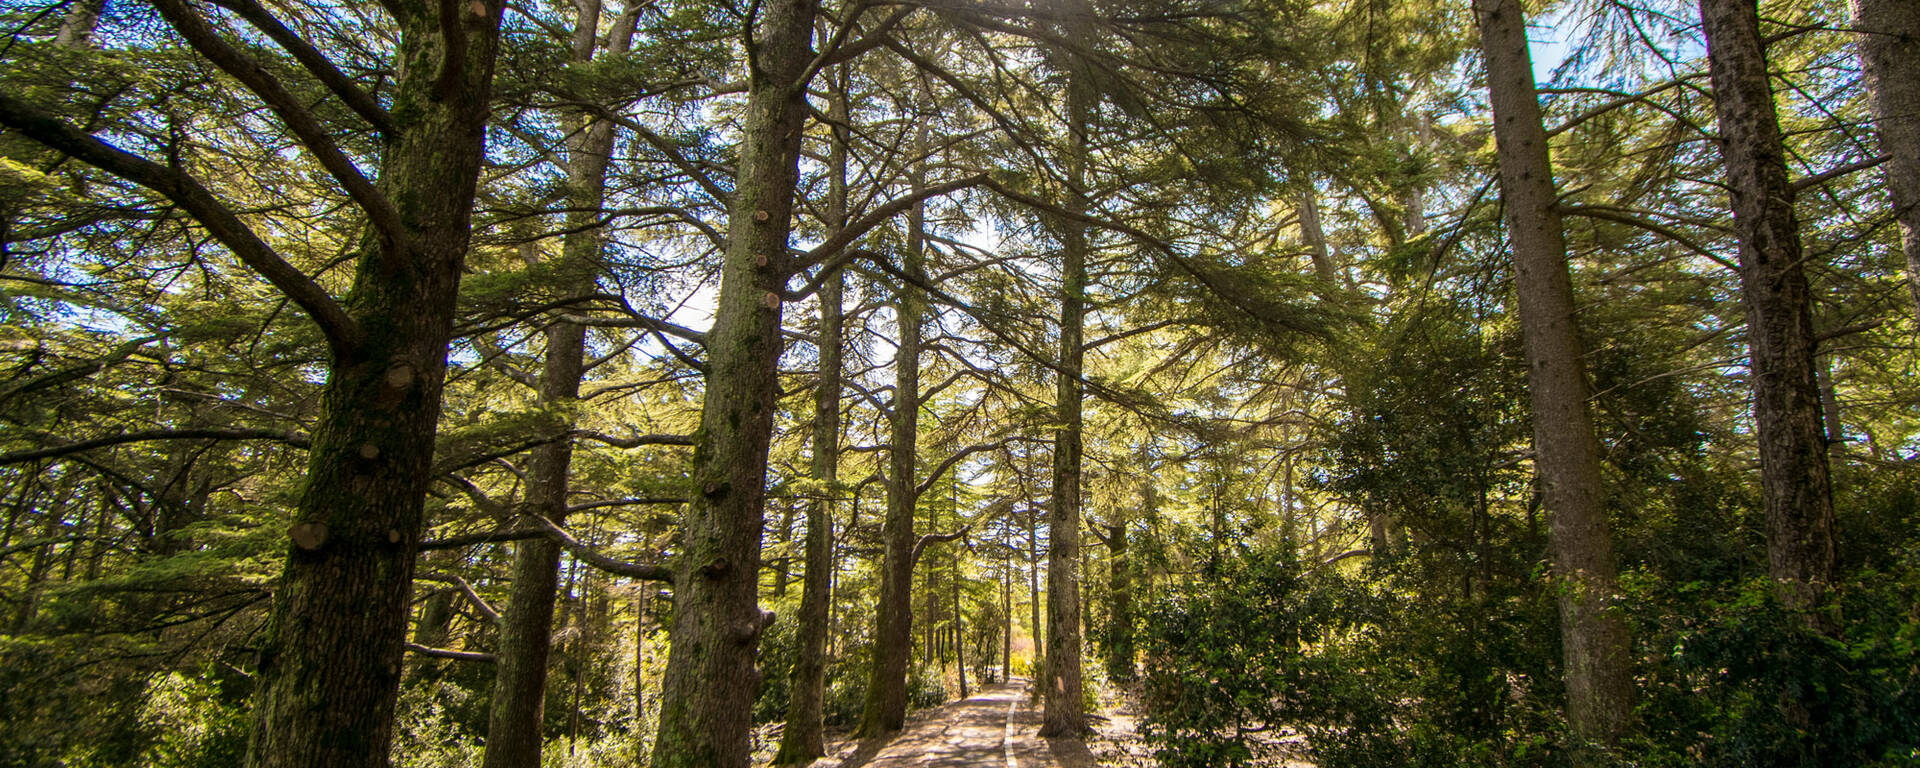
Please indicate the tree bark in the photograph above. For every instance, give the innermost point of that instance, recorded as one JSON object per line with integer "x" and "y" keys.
{"x": 708, "y": 689}
{"x": 1889, "y": 41}
{"x": 886, "y": 705}
{"x": 331, "y": 653}
{"x": 804, "y": 738}
{"x": 76, "y": 28}
{"x": 1773, "y": 286}
{"x": 1120, "y": 599}
{"x": 1035, "y": 627}
{"x": 514, "y": 729}
{"x": 959, "y": 617}
{"x": 1594, "y": 639}
{"x": 330, "y": 658}
{"x": 1064, "y": 712}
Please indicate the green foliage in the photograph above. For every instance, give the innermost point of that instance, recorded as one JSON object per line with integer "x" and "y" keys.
{"x": 192, "y": 725}
{"x": 1722, "y": 687}
{"x": 426, "y": 735}
{"x": 926, "y": 687}
{"x": 779, "y": 649}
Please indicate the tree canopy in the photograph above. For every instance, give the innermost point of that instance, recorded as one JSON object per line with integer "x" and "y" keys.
{"x": 699, "y": 383}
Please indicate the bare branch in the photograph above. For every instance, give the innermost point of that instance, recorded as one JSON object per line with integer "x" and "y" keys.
{"x": 920, "y": 547}
{"x": 444, "y": 653}
{"x": 470, "y": 539}
{"x": 855, "y": 230}
{"x": 634, "y": 441}
{"x": 644, "y": 571}
{"x": 1834, "y": 173}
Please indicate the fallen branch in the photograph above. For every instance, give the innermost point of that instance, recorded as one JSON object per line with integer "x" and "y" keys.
{"x": 446, "y": 653}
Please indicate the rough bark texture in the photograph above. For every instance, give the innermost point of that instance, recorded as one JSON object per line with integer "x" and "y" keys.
{"x": 330, "y": 658}
{"x": 514, "y": 737}
{"x": 1889, "y": 35}
{"x": 707, "y": 691}
{"x": 1594, "y": 639}
{"x": 1065, "y": 711}
{"x": 1773, "y": 287}
{"x": 886, "y": 705}
{"x": 804, "y": 738}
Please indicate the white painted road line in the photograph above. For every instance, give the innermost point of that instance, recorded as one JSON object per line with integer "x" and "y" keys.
{"x": 1007, "y": 739}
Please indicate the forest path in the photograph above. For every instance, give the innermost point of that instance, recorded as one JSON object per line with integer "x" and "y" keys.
{"x": 993, "y": 729}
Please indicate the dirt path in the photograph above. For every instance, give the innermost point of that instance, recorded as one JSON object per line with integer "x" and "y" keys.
{"x": 994, "y": 729}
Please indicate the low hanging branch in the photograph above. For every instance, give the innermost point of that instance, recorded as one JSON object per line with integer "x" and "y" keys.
{"x": 546, "y": 529}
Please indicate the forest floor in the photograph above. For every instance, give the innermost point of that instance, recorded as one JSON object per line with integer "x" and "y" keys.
{"x": 996, "y": 727}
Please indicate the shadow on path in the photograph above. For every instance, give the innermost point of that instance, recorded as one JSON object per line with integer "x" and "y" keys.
{"x": 964, "y": 734}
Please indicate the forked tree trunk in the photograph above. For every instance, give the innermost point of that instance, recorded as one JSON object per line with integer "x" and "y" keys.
{"x": 708, "y": 689}
{"x": 1889, "y": 38}
{"x": 330, "y": 655}
{"x": 1594, "y": 639}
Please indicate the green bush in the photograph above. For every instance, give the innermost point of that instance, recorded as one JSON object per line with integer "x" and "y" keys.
{"x": 926, "y": 687}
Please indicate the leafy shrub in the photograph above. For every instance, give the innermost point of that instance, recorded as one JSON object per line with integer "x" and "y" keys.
{"x": 926, "y": 687}
{"x": 190, "y": 723}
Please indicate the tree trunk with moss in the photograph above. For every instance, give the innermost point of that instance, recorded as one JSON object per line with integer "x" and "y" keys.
{"x": 710, "y": 680}
{"x": 1064, "y": 713}
{"x": 1594, "y": 640}
{"x": 1773, "y": 286}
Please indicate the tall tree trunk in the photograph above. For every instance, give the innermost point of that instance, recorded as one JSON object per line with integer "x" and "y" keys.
{"x": 514, "y": 737}
{"x": 330, "y": 656}
{"x": 1383, "y": 532}
{"x": 707, "y": 693}
{"x": 1120, "y": 600}
{"x": 886, "y": 705}
{"x": 1594, "y": 640}
{"x": 1773, "y": 287}
{"x": 76, "y": 28}
{"x": 1064, "y": 713}
{"x": 959, "y": 618}
{"x": 1006, "y": 609}
{"x": 1035, "y": 627}
{"x": 1889, "y": 35}
{"x": 804, "y": 738}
